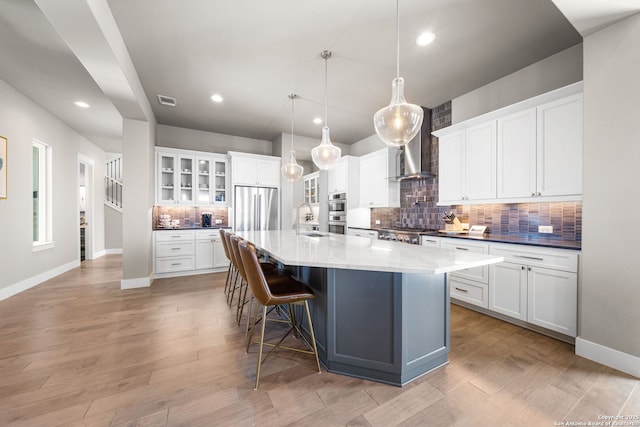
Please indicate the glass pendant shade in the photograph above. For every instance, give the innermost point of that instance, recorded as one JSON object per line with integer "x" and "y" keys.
{"x": 399, "y": 122}
{"x": 326, "y": 155}
{"x": 292, "y": 171}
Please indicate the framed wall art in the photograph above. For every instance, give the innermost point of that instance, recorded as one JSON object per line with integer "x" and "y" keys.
{"x": 3, "y": 167}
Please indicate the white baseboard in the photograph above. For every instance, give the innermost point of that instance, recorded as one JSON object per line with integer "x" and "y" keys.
{"x": 615, "y": 359}
{"x": 140, "y": 282}
{"x": 23, "y": 285}
{"x": 113, "y": 251}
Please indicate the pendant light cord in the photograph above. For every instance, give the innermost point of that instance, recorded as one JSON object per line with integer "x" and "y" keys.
{"x": 292, "y": 96}
{"x": 325, "y": 92}
{"x": 398, "y": 38}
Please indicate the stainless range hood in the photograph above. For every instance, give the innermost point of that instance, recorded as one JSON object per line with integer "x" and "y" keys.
{"x": 415, "y": 157}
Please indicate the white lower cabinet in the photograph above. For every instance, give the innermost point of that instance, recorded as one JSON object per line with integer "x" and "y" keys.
{"x": 537, "y": 285}
{"x": 209, "y": 250}
{"x": 469, "y": 285}
{"x": 508, "y": 294}
{"x": 470, "y": 291}
{"x": 188, "y": 251}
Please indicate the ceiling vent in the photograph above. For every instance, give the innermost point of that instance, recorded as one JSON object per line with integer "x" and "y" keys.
{"x": 167, "y": 100}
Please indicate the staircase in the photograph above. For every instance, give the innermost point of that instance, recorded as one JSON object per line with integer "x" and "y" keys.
{"x": 113, "y": 184}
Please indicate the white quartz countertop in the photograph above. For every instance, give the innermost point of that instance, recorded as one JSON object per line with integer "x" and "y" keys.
{"x": 361, "y": 253}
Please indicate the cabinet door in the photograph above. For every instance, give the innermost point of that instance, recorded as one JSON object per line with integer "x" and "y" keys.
{"x": 372, "y": 180}
{"x": 219, "y": 257}
{"x": 269, "y": 173}
{"x": 166, "y": 178}
{"x": 451, "y": 172}
{"x": 219, "y": 182}
{"x": 244, "y": 170}
{"x": 337, "y": 178}
{"x": 559, "y": 147}
{"x": 552, "y": 299}
{"x": 508, "y": 289}
{"x": 204, "y": 254}
{"x": 516, "y": 153}
{"x": 480, "y": 162}
{"x": 186, "y": 179}
{"x": 204, "y": 174}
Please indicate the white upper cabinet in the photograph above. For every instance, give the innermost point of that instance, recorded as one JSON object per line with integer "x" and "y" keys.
{"x": 532, "y": 149}
{"x": 516, "y": 150}
{"x": 345, "y": 178}
{"x": 190, "y": 177}
{"x": 174, "y": 178}
{"x": 468, "y": 164}
{"x": 311, "y": 187}
{"x": 559, "y": 147}
{"x": 378, "y": 185}
{"x": 255, "y": 170}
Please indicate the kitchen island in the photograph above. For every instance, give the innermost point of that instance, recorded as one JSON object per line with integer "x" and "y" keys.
{"x": 381, "y": 309}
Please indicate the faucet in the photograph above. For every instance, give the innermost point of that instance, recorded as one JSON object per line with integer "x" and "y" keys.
{"x": 298, "y": 215}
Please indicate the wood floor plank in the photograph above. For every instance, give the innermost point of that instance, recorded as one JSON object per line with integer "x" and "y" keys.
{"x": 79, "y": 351}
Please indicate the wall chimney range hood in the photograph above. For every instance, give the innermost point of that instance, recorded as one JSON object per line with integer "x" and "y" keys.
{"x": 415, "y": 157}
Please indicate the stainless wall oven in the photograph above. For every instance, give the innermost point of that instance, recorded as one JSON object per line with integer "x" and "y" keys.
{"x": 338, "y": 213}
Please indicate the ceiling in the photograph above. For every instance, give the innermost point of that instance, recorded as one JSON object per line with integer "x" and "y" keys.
{"x": 254, "y": 53}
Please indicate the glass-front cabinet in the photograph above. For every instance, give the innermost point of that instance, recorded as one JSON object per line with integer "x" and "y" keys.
{"x": 311, "y": 187}
{"x": 190, "y": 177}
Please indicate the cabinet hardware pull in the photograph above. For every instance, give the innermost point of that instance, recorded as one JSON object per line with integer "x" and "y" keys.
{"x": 529, "y": 268}
{"x": 175, "y": 249}
{"x": 462, "y": 290}
{"x": 462, "y": 249}
{"x": 529, "y": 257}
{"x": 522, "y": 267}
{"x": 175, "y": 264}
{"x": 175, "y": 237}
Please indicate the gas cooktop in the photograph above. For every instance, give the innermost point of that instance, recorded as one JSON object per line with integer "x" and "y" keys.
{"x": 407, "y": 235}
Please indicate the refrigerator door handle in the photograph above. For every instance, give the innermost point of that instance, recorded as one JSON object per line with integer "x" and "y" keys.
{"x": 259, "y": 209}
{"x": 255, "y": 211}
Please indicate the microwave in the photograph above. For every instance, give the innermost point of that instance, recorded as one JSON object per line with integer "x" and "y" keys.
{"x": 337, "y": 203}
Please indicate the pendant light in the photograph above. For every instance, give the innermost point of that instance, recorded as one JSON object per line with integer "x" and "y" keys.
{"x": 397, "y": 123}
{"x": 292, "y": 171}
{"x": 325, "y": 155}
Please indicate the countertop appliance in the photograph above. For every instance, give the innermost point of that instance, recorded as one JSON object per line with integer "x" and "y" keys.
{"x": 206, "y": 219}
{"x": 406, "y": 235}
{"x": 255, "y": 208}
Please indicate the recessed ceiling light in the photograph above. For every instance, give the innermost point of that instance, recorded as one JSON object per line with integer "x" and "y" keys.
{"x": 317, "y": 120}
{"x": 82, "y": 104}
{"x": 425, "y": 39}
{"x": 216, "y": 98}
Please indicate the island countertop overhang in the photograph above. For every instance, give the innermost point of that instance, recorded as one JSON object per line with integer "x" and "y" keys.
{"x": 361, "y": 253}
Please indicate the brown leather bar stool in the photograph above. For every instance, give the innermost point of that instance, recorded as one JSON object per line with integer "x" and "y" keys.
{"x": 233, "y": 284}
{"x": 285, "y": 292}
{"x": 271, "y": 272}
{"x": 231, "y": 269}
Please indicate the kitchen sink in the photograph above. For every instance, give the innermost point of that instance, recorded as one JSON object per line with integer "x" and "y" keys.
{"x": 311, "y": 234}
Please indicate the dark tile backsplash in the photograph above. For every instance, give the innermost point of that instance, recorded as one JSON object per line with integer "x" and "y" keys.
{"x": 520, "y": 219}
{"x": 190, "y": 216}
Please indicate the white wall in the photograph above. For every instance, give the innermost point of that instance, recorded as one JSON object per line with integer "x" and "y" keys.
{"x": 610, "y": 294}
{"x": 365, "y": 146}
{"x": 112, "y": 229}
{"x": 21, "y": 122}
{"x": 551, "y": 73}
{"x": 190, "y": 139}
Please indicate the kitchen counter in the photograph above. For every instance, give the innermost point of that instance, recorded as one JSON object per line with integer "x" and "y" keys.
{"x": 516, "y": 240}
{"x": 381, "y": 309}
{"x": 360, "y": 253}
{"x": 195, "y": 227}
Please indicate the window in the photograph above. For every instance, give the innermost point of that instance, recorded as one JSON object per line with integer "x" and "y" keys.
{"x": 42, "y": 221}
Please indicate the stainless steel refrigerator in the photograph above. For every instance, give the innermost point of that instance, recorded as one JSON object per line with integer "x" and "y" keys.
{"x": 255, "y": 208}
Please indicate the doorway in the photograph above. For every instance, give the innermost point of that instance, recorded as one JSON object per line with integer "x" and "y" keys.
{"x": 85, "y": 208}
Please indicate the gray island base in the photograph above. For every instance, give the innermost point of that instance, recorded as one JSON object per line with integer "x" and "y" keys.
{"x": 381, "y": 326}
{"x": 381, "y": 309}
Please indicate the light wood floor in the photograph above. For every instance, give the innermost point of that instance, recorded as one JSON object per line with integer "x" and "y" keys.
{"x": 77, "y": 350}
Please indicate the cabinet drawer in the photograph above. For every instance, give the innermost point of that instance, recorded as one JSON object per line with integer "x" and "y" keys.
{"x": 476, "y": 273}
{"x": 556, "y": 259}
{"x": 433, "y": 242}
{"x": 171, "y": 264}
{"x": 472, "y": 292}
{"x": 174, "y": 236}
{"x": 208, "y": 235}
{"x": 171, "y": 249}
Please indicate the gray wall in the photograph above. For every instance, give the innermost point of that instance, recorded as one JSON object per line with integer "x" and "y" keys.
{"x": 551, "y": 73}
{"x": 112, "y": 229}
{"x": 610, "y": 297}
{"x": 189, "y": 139}
{"x": 22, "y": 121}
{"x": 365, "y": 146}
